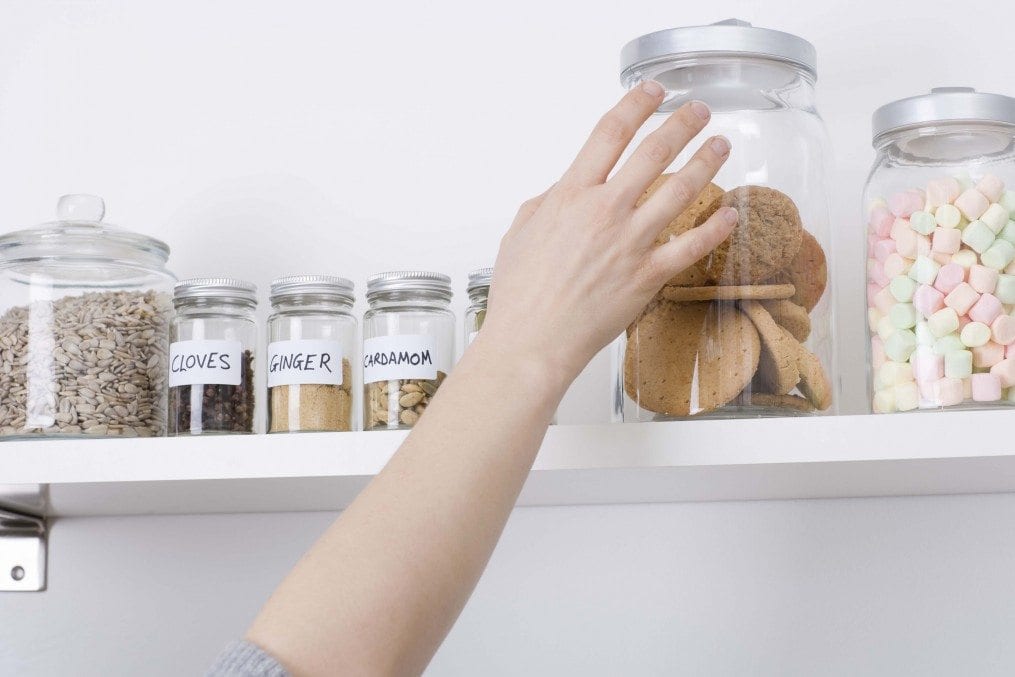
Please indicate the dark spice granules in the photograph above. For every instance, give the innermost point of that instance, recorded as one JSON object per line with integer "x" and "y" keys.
{"x": 224, "y": 408}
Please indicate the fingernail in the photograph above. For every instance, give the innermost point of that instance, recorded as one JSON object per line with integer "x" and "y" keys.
{"x": 730, "y": 216}
{"x": 652, "y": 88}
{"x": 700, "y": 109}
{"x": 721, "y": 145}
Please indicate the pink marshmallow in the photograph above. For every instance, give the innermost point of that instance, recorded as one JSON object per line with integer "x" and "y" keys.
{"x": 906, "y": 243}
{"x": 1009, "y": 350}
{"x": 948, "y": 392}
{"x": 923, "y": 246}
{"x": 884, "y": 301}
{"x": 876, "y": 273}
{"x": 872, "y": 290}
{"x": 1002, "y": 329}
{"x": 941, "y": 258}
{"x": 881, "y": 221}
{"x": 949, "y": 277}
{"x": 905, "y": 203}
{"x": 928, "y": 368}
{"x": 882, "y": 248}
{"x": 872, "y": 240}
{"x": 986, "y": 387}
{"x": 947, "y": 240}
{"x": 896, "y": 264}
{"x": 899, "y": 226}
{"x": 942, "y": 191}
{"x": 991, "y": 187}
{"x": 1005, "y": 372}
{"x": 962, "y": 298}
{"x": 928, "y": 300}
{"x": 987, "y": 355}
{"x": 878, "y": 356}
{"x": 986, "y": 309}
{"x": 963, "y": 321}
{"x": 972, "y": 204}
{"x": 982, "y": 279}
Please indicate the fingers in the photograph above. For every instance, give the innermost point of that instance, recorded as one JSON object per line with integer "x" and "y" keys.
{"x": 655, "y": 153}
{"x": 529, "y": 207}
{"x": 612, "y": 134}
{"x": 690, "y": 247}
{"x": 680, "y": 189}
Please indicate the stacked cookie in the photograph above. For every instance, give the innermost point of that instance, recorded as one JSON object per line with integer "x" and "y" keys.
{"x": 730, "y": 330}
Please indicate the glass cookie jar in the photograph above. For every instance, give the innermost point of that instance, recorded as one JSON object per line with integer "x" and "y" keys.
{"x": 84, "y": 327}
{"x": 408, "y": 346}
{"x": 938, "y": 209}
{"x": 747, "y": 330}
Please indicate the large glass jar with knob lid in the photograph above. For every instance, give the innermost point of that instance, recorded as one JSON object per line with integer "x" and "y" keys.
{"x": 311, "y": 349}
{"x": 84, "y": 327}
{"x": 213, "y": 343}
{"x": 938, "y": 210}
{"x": 747, "y": 330}
{"x": 408, "y": 346}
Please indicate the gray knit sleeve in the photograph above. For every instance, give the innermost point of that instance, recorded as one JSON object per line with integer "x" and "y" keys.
{"x": 243, "y": 659}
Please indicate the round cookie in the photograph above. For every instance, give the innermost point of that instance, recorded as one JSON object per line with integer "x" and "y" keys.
{"x": 687, "y": 219}
{"x": 807, "y": 272}
{"x": 687, "y": 358}
{"x": 813, "y": 380}
{"x": 777, "y": 367}
{"x": 730, "y": 293}
{"x": 794, "y": 402}
{"x": 790, "y": 316}
{"x": 764, "y": 241}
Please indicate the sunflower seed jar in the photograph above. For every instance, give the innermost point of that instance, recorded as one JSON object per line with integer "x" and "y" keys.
{"x": 408, "y": 346}
{"x": 84, "y": 314}
{"x": 211, "y": 355}
{"x": 311, "y": 349}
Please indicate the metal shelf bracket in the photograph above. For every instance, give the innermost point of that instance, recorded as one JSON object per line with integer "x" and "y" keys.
{"x": 22, "y": 552}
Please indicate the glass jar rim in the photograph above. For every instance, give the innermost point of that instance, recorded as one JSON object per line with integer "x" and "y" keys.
{"x": 211, "y": 289}
{"x": 437, "y": 285}
{"x": 339, "y": 289}
{"x": 479, "y": 278}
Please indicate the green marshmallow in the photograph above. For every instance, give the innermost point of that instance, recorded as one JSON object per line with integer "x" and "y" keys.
{"x": 903, "y": 315}
{"x": 1005, "y": 289}
{"x": 958, "y": 364}
{"x": 978, "y": 236}
{"x": 924, "y": 270}
{"x": 902, "y": 288}
{"x": 998, "y": 255}
{"x": 948, "y": 344}
{"x": 900, "y": 345}
{"x": 922, "y": 222}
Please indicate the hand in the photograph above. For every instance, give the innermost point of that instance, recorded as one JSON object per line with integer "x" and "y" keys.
{"x": 580, "y": 262}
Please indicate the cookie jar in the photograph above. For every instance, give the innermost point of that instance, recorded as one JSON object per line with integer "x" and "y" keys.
{"x": 84, "y": 327}
{"x": 311, "y": 349}
{"x": 213, "y": 341}
{"x": 408, "y": 346}
{"x": 938, "y": 210}
{"x": 747, "y": 330}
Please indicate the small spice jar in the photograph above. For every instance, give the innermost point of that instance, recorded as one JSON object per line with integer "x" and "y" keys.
{"x": 213, "y": 338}
{"x": 311, "y": 343}
{"x": 478, "y": 290}
{"x": 408, "y": 346}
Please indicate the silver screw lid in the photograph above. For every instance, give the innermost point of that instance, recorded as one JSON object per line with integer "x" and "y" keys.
{"x": 224, "y": 288}
{"x": 339, "y": 288}
{"x": 943, "y": 104}
{"x": 480, "y": 277}
{"x": 409, "y": 280}
{"x": 729, "y": 37}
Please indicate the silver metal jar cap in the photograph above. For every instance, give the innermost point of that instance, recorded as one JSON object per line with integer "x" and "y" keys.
{"x": 729, "y": 37}
{"x": 226, "y": 288}
{"x": 943, "y": 104}
{"x": 409, "y": 280}
{"x": 480, "y": 277}
{"x": 321, "y": 285}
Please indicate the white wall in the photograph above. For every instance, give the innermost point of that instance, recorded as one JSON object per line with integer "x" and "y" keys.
{"x": 260, "y": 138}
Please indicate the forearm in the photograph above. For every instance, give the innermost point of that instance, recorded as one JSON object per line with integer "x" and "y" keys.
{"x": 387, "y": 580}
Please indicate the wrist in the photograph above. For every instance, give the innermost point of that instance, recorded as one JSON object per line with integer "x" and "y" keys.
{"x": 545, "y": 378}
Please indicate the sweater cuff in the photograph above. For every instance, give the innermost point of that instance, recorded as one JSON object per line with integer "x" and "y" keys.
{"x": 243, "y": 659}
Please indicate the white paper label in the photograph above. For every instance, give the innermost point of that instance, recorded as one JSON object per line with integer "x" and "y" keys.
{"x": 409, "y": 356}
{"x": 205, "y": 362}
{"x": 304, "y": 361}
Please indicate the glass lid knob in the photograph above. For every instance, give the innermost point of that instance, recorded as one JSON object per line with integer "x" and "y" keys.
{"x": 80, "y": 207}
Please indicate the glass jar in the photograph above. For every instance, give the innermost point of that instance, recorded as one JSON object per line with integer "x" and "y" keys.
{"x": 941, "y": 252}
{"x": 747, "y": 330}
{"x": 84, "y": 327}
{"x": 311, "y": 347}
{"x": 408, "y": 346}
{"x": 478, "y": 290}
{"x": 213, "y": 341}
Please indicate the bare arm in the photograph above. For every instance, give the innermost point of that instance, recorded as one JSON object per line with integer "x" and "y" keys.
{"x": 382, "y": 587}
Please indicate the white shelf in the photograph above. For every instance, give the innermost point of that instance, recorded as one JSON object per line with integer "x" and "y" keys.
{"x": 913, "y": 454}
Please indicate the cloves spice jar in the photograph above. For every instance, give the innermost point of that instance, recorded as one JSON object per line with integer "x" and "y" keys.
{"x": 213, "y": 338}
{"x": 311, "y": 347}
{"x": 408, "y": 346}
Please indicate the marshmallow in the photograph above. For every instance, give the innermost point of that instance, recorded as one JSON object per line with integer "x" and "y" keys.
{"x": 924, "y": 222}
{"x": 904, "y": 315}
{"x": 893, "y": 373}
{"x": 872, "y": 291}
{"x": 986, "y": 387}
{"x": 900, "y": 345}
{"x": 987, "y": 355}
{"x": 884, "y": 301}
{"x": 949, "y": 277}
{"x": 896, "y": 264}
{"x": 983, "y": 279}
{"x": 924, "y": 270}
{"x": 1002, "y": 329}
{"x": 873, "y": 317}
{"x": 942, "y": 191}
{"x": 948, "y": 216}
{"x": 999, "y": 254}
{"x": 990, "y": 187}
{"x": 907, "y": 396}
{"x": 878, "y": 356}
{"x": 941, "y": 258}
{"x": 881, "y": 221}
{"x": 965, "y": 181}
{"x": 947, "y": 344}
{"x": 1008, "y": 232}
{"x": 943, "y": 322}
{"x": 944, "y": 240}
{"x": 899, "y": 227}
{"x": 928, "y": 368}
{"x": 924, "y": 336}
{"x": 971, "y": 203}
{"x": 907, "y": 243}
{"x": 977, "y": 235}
{"x": 882, "y": 248}
{"x": 876, "y": 273}
{"x": 948, "y": 392}
{"x": 975, "y": 334}
{"x": 886, "y": 327}
{"x": 1007, "y": 200}
{"x": 964, "y": 258}
{"x": 902, "y": 288}
{"x": 927, "y": 300}
{"x": 985, "y": 309}
{"x": 996, "y": 217}
{"x": 1005, "y": 289}
{"x": 958, "y": 364}
{"x": 884, "y": 401}
{"x": 905, "y": 203}
{"x": 962, "y": 298}
{"x": 1005, "y": 372}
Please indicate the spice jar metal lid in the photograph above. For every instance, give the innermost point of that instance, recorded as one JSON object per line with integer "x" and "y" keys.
{"x": 943, "y": 105}
{"x": 80, "y": 233}
{"x": 338, "y": 288}
{"x": 728, "y": 37}
{"x": 480, "y": 277}
{"x": 437, "y": 284}
{"x": 218, "y": 288}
